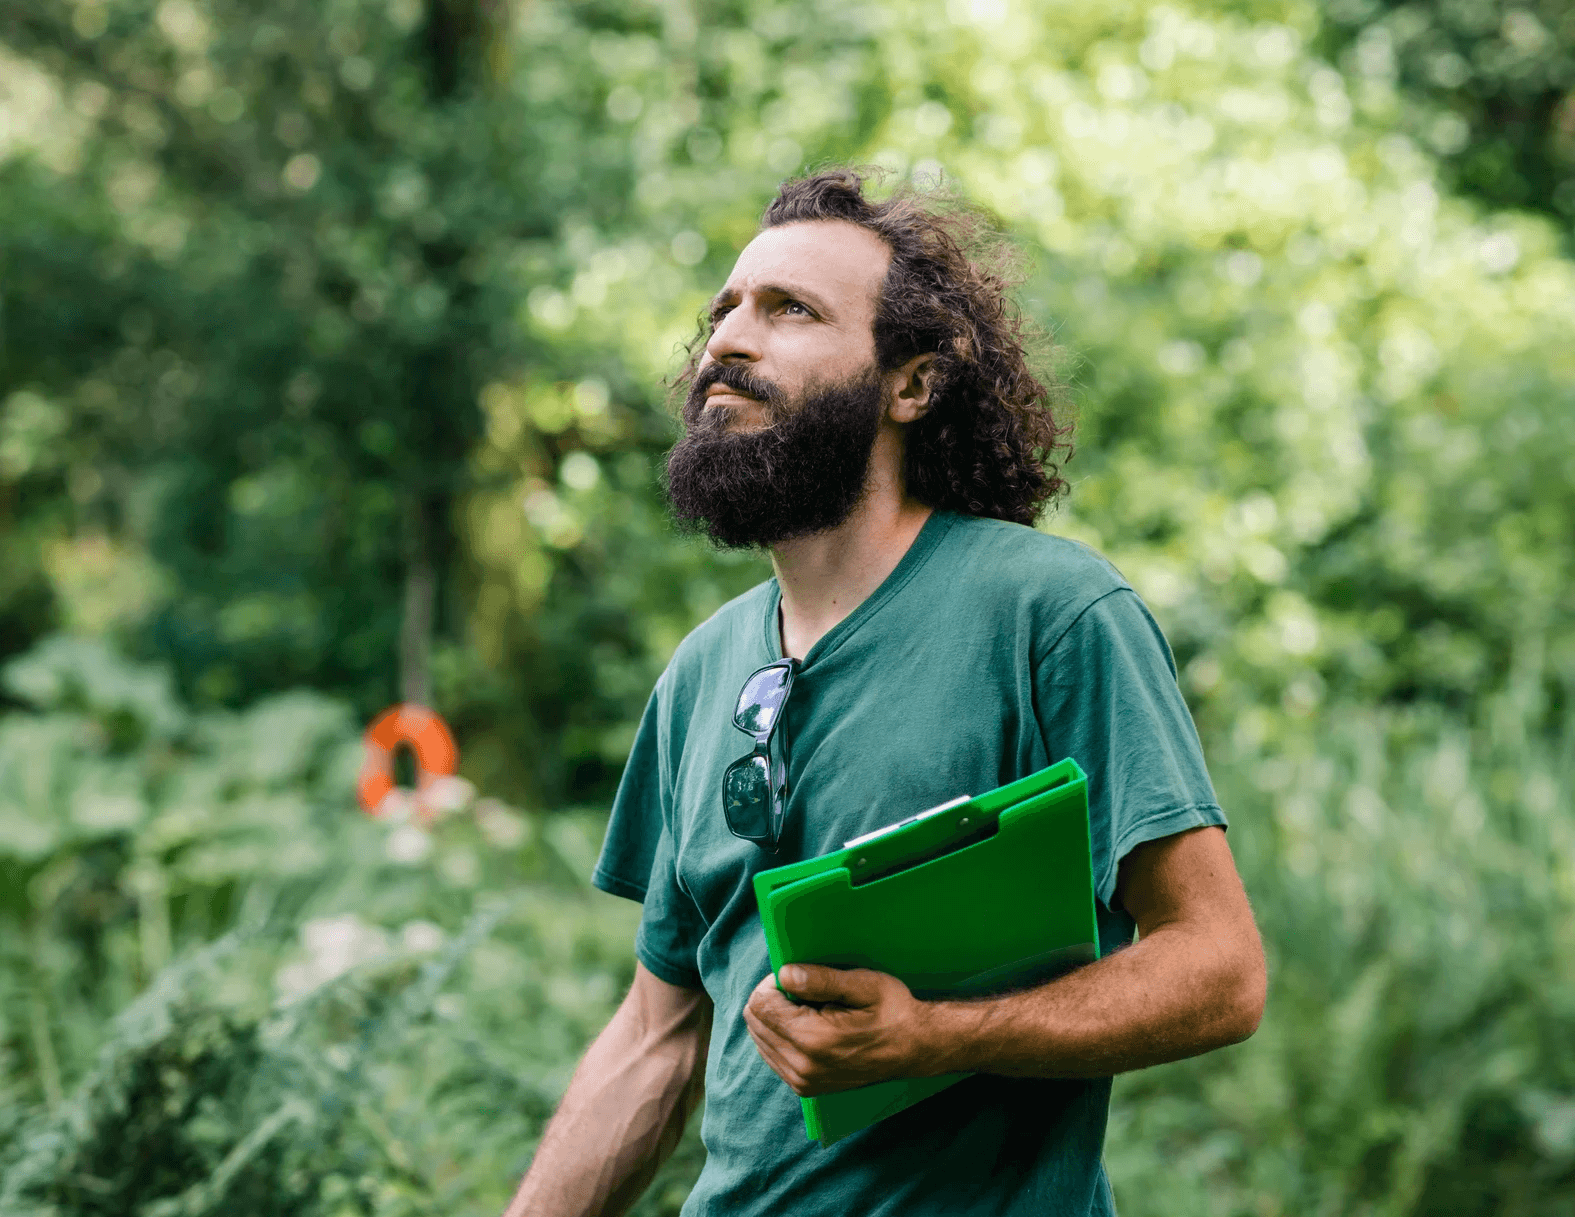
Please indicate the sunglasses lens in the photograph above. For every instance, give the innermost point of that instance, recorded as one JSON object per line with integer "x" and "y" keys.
{"x": 761, "y": 700}
{"x": 746, "y": 797}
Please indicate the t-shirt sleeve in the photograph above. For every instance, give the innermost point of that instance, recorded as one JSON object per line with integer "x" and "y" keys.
{"x": 668, "y": 940}
{"x": 639, "y": 814}
{"x": 637, "y": 860}
{"x": 1108, "y": 698}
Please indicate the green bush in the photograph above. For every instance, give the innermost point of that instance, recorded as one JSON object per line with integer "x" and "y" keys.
{"x": 1415, "y": 883}
{"x": 361, "y": 1016}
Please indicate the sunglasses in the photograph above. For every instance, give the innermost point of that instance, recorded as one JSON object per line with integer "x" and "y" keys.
{"x": 754, "y": 791}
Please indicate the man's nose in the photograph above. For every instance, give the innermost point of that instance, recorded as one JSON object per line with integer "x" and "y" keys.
{"x": 735, "y": 338}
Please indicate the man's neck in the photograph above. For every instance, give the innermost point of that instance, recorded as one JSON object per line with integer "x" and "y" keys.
{"x": 826, "y": 576}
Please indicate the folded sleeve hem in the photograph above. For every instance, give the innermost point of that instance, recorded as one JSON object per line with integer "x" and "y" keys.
{"x": 1153, "y": 828}
{"x": 615, "y": 886}
{"x": 663, "y": 969}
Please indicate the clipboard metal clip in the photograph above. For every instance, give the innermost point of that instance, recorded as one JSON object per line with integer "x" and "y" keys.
{"x": 923, "y": 815}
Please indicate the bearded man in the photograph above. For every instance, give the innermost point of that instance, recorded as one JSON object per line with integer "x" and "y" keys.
{"x": 861, "y": 404}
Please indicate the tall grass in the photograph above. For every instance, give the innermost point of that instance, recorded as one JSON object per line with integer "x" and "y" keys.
{"x": 1414, "y": 878}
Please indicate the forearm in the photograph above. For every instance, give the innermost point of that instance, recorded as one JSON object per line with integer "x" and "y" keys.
{"x": 1193, "y": 982}
{"x": 1175, "y": 993}
{"x": 623, "y": 1113}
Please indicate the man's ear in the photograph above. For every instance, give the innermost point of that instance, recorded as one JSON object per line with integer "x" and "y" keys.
{"x": 910, "y": 393}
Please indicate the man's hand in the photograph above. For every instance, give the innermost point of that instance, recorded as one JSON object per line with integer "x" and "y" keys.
{"x": 864, "y": 1027}
{"x": 1194, "y": 981}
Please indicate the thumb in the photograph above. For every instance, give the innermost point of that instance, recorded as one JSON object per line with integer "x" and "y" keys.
{"x": 813, "y": 982}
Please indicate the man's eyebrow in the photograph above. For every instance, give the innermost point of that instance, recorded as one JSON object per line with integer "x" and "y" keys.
{"x": 775, "y": 289}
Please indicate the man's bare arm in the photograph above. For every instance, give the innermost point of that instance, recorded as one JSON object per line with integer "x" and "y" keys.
{"x": 1195, "y": 980}
{"x": 625, "y": 1108}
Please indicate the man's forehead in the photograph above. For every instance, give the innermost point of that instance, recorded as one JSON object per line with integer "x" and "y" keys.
{"x": 839, "y": 262}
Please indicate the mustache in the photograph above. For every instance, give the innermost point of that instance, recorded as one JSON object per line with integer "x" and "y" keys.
{"x": 732, "y": 376}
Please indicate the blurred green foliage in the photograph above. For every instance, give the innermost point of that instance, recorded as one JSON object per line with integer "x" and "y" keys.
{"x": 1413, "y": 882}
{"x": 331, "y": 348}
{"x": 361, "y": 1016}
{"x": 1497, "y": 79}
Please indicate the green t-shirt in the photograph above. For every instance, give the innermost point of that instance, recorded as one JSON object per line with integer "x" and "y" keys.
{"x": 991, "y": 651}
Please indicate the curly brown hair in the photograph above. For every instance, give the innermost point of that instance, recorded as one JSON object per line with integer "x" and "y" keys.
{"x": 989, "y": 443}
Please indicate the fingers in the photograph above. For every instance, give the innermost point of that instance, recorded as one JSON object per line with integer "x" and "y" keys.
{"x": 788, "y": 1038}
{"x": 803, "y": 1073}
{"x": 768, "y": 1003}
{"x": 765, "y": 1012}
{"x": 803, "y": 1024}
{"x": 853, "y": 1035}
{"x": 788, "y": 1025}
{"x": 786, "y": 1061}
{"x": 853, "y": 987}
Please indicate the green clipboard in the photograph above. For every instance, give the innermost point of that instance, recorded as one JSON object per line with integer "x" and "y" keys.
{"x": 977, "y": 896}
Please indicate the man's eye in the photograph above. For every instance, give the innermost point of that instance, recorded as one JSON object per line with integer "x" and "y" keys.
{"x": 791, "y": 305}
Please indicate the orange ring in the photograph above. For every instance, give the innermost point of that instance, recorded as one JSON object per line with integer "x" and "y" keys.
{"x": 429, "y": 738}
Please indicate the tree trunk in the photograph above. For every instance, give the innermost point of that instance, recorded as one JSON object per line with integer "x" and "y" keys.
{"x": 415, "y": 631}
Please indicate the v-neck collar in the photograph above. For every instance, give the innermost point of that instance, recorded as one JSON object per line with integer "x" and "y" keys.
{"x": 930, "y": 535}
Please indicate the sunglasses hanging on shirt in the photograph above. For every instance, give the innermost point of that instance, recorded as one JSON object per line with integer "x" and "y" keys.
{"x": 754, "y": 788}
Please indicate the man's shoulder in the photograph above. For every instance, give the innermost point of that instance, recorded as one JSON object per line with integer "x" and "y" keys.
{"x": 1014, "y": 562}
{"x": 738, "y": 626}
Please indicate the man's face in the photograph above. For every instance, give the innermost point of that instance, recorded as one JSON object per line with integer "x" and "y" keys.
{"x": 786, "y": 400}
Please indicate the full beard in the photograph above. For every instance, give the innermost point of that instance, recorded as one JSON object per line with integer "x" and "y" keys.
{"x": 801, "y": 474}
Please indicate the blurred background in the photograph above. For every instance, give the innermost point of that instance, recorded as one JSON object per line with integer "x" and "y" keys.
{"x": 333, "y": 338}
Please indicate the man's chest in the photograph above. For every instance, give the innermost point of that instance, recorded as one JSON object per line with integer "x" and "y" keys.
{"x": 865, "y": 744}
